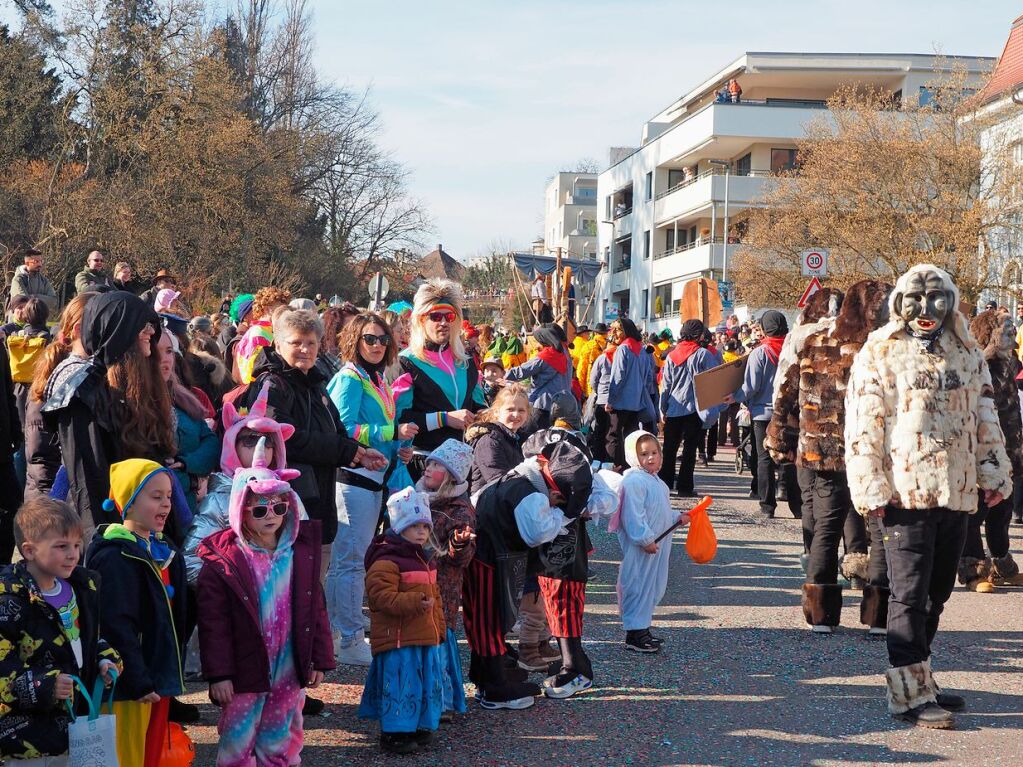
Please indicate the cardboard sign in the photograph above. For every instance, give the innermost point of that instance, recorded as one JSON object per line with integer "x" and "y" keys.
{"x": 712, "y": 386}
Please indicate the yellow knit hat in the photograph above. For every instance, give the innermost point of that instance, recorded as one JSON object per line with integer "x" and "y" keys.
{"x": 127, "y": 478}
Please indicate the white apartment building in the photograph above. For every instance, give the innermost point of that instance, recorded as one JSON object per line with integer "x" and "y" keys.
{"x": 570, "y": 215}
{"x": 663, "y": 206}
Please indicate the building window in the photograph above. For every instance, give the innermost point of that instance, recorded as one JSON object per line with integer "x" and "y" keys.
{"x": 650, "y": 185}
{"x": 783, "y": 160}
{"x": 646, "y": 303}
{"x": 646, "y": 244}
{"x": 744, "y": 164}
{"x": 669, "y": 239}
{"x": 662, "y": 300}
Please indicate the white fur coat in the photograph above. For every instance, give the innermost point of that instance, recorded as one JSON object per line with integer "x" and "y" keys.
{"x": 921, "y": 428}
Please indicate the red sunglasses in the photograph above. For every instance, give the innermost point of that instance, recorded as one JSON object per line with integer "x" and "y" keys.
{"x": 438, "y": 316}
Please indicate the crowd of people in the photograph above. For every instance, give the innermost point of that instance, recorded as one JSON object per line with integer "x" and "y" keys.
{"x": 218, "y": 497}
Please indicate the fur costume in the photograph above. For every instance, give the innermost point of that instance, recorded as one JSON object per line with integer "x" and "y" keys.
{"x": 921, "y": 430}
{"x": 855, "y": 566}
{"x": 874, "y": 607}
{"x": 809, "y": 412}
{"x": 910, "y": 686}
{"x": 822, "y": 604}
{"x": 971, "y": 569}
{"x": 819, "y": 314}
{"x": 1003, "y": 367}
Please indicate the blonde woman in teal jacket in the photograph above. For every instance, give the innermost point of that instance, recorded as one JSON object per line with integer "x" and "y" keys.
{"x": 366, "y": 403}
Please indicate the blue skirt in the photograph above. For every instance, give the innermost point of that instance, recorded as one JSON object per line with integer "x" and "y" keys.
{"x": 454, "y": 692}
{"x": 405, "y": 689}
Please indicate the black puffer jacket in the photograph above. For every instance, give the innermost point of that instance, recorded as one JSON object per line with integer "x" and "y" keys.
{"x": 495, "y": 452}
{"x": 34, "y": 650}
{"x": 320, "y": 445}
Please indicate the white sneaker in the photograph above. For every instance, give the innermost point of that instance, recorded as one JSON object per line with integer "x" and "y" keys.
{"x": 568, "y": 689}
{"x": 357, "y": 653}
{"x": 878, "y": 632}
{"x": 821, "y": 629}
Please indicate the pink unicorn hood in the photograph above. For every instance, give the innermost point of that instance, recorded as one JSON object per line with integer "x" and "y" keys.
{"x": 260, "y": 479}
{"x": 254, "y": 418}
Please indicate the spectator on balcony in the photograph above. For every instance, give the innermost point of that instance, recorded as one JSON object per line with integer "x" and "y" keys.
{"x": 538, "y": 294}
{"x": 722, "y": 95}
{"x": 734, "y": 91}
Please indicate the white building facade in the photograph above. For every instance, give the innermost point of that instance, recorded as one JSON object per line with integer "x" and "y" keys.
{"x": 663, "y": 208}
{"x": 570, "y": 215}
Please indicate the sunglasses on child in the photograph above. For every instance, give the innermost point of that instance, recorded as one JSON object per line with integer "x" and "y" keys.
{"x": 260, "y": 510}
{"x": 372, "y": 340}
{"x": 251, "y": 440}
{"x": 448, "y": 317}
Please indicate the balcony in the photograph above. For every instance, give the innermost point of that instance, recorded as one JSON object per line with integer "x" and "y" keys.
{"x": 691, "y": 259}
{"x": 620, "y": 280}
{"x": 698, "y": 193}
{"x": 621, "y": 212}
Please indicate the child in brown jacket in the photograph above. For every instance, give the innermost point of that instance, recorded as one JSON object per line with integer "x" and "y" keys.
{"x": 405, "y": 686}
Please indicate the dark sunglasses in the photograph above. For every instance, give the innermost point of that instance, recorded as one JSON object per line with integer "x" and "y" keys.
{"x": 260, "y": 510}
{"x": 372, "y": 340}
{"x": 251, "y": 440}
{"x": 438, "y": 316}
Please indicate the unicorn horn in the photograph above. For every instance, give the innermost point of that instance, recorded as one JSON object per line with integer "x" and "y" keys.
{"x": 259, "y": 454}
{"x": 258, "y": 409}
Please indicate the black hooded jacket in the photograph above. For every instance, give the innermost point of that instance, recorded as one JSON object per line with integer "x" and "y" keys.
{"x": 320, "y": 445}
{"x": 80, "y": 407}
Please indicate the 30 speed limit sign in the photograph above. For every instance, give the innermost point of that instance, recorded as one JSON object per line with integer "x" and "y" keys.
{"x": 815, "y": 262}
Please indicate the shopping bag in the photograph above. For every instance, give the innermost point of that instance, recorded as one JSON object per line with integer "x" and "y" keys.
{"x": 701, "y": 542}
{"x": 92, "y": 740}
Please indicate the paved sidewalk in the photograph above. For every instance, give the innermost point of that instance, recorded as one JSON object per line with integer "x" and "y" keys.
{"x": 740, "y": 680}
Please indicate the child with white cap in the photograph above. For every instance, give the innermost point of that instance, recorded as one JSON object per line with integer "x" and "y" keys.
{"x": 445, "y": 482}
{"x": 405, "y": 686}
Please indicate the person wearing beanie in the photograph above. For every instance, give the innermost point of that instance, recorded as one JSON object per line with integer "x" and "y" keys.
{"x": 142, "y": 591}
{"x": 922, "y": 442}
{"x": 524, "y": 510}
{"x": 683, "y": 420}
{"x": 549, "y": 372}
{"x": 405, "y": 687}
{"x": 589, "y": 354}
{"x": 807, "y": 429}
{"x": 757, "y": 391}
{"x": 445, "y": 482}
{"x": 492, "y": 373}
{"x": 632, "y": 388}
{"x": 232, "y": 332}
{"x": 269, "y": 555}
{"x": 439, "y": 387}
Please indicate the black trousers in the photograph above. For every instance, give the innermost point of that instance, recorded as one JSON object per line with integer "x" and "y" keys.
{"x": 1017, "y": 497}
{"x": 687, "y": 431}
{"x": 597, "y": 440}
{"x": 728, "y": 428}
{"x": 923, "y": 548}
{"x": 995, "y": 520}
{"x": 877, "y": 562}
{"x": 709, "y": 442}
{"x": 623, "y": 423}
{"x": 765, "y": 476}
{"x": 11, "y": 496}
{"x": 804, "y": 477}
{"x": 854, "y": 532}
{"x": 829, "y": 497}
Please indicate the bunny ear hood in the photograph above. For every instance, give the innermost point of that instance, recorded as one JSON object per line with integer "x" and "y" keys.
{"x": 254, "y": 418}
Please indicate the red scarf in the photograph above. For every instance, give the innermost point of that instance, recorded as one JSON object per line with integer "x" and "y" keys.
{"x": 610, "y": 352}
{"x": 682, "y": 352}
{"x": 556, "y": 358}
{"x": 772, "y": 344}
{"x": 636, "y": 347}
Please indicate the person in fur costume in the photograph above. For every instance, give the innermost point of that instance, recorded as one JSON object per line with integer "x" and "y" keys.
{"x": 807, "y": 428}
{"x": 995, "y": 334}
{"x": 921, "y": 437}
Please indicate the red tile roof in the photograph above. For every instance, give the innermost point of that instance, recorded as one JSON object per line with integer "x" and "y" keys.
{"x": 1008, "y": 74}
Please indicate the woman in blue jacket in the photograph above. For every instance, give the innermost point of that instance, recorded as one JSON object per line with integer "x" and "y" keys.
{"x": 550, "y": 373}
{"x": 631, "y": 391}
{"x": 366, "y": 403}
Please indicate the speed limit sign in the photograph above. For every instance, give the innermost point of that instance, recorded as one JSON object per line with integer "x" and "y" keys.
{"x": 815, "y": 262}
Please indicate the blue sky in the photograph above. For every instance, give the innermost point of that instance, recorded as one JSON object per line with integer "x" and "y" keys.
{"x": 483, "y": 100}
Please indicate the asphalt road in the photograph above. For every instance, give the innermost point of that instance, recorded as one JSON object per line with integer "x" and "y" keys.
{"x": 740, "y": 680}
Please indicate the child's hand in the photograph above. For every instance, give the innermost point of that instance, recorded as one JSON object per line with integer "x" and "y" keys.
{"x": 64, "y": 687}
{"x": 650, "y": 548}
{"x": 427, "y": 604}
{"x": 315, "y": 679}
{"x": 462, "y": 536}
{"x": 222, "y": 693}
{"x": 683, "y": 518}
{"x": 105, "y": 669}
{"x": 150, "y": 698}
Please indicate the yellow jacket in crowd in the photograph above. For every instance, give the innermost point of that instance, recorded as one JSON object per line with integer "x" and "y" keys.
{"x": 588, "y": 355}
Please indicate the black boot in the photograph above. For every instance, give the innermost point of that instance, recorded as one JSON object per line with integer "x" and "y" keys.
{"x": 398, "y": 742}
{"x": 500, "y": 692}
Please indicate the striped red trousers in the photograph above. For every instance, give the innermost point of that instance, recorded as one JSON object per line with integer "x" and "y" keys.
{"x": 565, "y": 602}
{"x": 481, "y": 611}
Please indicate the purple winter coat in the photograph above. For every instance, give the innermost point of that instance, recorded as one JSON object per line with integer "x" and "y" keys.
{"x": 232, "y": 639}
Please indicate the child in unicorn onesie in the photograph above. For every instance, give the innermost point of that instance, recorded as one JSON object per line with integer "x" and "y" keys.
{"x": 263, "y": 628}
{"x": 645, "y": 513}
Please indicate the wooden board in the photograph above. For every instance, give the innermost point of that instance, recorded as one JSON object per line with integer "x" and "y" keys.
{"x": 712, "y": 386}
{"x": 701, "y": 300}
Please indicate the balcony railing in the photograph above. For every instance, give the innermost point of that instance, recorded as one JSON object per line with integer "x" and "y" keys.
{"x": 622, "y": 212}
{"x": 712, "y": 172}
{"x": 689, "y": 246}
{"x": 623, "y": 264}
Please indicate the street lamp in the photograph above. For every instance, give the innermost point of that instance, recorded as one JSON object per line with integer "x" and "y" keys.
{"x": 724, "y": 253}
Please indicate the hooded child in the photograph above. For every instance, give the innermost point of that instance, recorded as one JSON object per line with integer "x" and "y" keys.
{"x": 644, "y": 514}
{"x": 549, "y": 372}
{"x": 404, "y": 689}
{"x": 142, "y": 587}
{"x": 445, "y": 482}
{"x": 270, "y": 558}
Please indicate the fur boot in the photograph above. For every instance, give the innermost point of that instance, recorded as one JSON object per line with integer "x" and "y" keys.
{"x": 822, "y": 604}
{"x": 910, "y": 686}
{"x": 874, "y": 607}
{"x": 975, "y": 574}
{"x": 855, "y": 566}
{"x": 1005, "y": 572}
